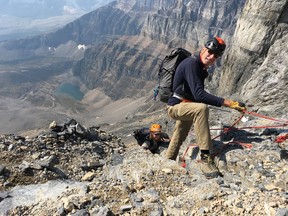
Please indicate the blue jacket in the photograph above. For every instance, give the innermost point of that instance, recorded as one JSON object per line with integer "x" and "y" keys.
{"x": 188, "y": 83}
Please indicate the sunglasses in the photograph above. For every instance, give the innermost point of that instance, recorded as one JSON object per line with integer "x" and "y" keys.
{"x": 157, "y": 134}
{"x": 212, "y": 53}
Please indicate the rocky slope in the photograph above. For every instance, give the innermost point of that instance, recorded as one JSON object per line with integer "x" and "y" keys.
{"x": 73, "y": 170}
{"x": 79, "y": 171}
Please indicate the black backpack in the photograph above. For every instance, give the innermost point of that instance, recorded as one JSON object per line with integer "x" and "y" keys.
{"x": 141, "y": 135}
{"x": 166, "y": 72}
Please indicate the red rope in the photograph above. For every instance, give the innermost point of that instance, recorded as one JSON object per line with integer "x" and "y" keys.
{"x": 251, "y": 127}
{"x": 183, "y": 157}
{"x": 281, "y": 138}
{"x": 247, "y": 145}
{"x": 266, "y": 117}
{"x": 232, "y": 126}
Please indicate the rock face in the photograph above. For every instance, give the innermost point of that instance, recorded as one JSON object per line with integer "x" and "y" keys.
{"x": 124, "y": 68}
{"x": 162, "y": 24}
{"x": 190, "y": 23}
{"x": 254, "y": 64}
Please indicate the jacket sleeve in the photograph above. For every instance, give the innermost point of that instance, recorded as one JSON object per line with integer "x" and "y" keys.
{"x": 195, "y": 80}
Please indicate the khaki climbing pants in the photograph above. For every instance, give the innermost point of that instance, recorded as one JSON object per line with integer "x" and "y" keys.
{"x": 186, "y": 114}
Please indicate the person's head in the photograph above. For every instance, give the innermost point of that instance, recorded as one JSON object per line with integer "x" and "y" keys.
{"x": 156, "y": 130}
{"x": 213, "y": 49}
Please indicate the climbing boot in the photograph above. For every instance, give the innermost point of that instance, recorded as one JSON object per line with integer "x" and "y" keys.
{"x": 208, "y": 167}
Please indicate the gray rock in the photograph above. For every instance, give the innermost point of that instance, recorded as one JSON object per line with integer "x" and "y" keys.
{"x": 281, "y": 212}
{"x": 125, "y": 208}
{"x": 102, "y": 211}
{"x": 284, "y": 154}
{"x": 33, "y": 194}
{"x": 2, "y": 170}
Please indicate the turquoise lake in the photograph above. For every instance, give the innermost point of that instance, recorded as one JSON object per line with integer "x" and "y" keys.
{"x": 71, "y": 90}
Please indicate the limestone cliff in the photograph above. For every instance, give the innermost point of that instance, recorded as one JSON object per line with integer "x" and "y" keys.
{"x": 191, "y": 23}
{"x": 166, "y": 24}
{"x": 255, "y": 64}
{"x": 122, "y": 68}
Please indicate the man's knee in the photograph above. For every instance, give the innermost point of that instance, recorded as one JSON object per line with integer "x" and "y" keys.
{"x": 203, "y": 108}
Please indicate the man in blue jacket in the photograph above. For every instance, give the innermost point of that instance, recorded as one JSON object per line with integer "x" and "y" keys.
{"x": 152, "y": 138}
{"x": 188, "y": 104}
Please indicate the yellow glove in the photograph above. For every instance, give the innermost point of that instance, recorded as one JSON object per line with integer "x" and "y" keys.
{"x": 239, "y": 106}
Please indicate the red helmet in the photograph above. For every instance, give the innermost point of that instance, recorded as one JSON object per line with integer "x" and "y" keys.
{"x": 217, "y": 46}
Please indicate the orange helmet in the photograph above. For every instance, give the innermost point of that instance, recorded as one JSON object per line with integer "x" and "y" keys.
{"x": 155, "y": 128}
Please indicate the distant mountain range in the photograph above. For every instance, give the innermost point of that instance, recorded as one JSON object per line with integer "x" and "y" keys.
{"x": 22, "y": 18}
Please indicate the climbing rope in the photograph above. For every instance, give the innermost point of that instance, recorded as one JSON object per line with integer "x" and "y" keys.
{"x": 281, "y": 138}
{"x": 246, "y": 145}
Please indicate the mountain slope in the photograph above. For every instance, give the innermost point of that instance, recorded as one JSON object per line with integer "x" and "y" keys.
{"x": 125, "y": 41}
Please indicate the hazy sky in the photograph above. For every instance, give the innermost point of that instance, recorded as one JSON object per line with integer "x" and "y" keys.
{"x": 37, "y": 9}
{"x": 22, "y": 18}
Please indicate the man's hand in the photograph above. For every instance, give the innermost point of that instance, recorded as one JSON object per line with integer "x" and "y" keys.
{"x": 239, "y": 106}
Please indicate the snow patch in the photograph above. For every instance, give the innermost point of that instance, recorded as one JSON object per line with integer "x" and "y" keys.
{"x": 81, "y": 46}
